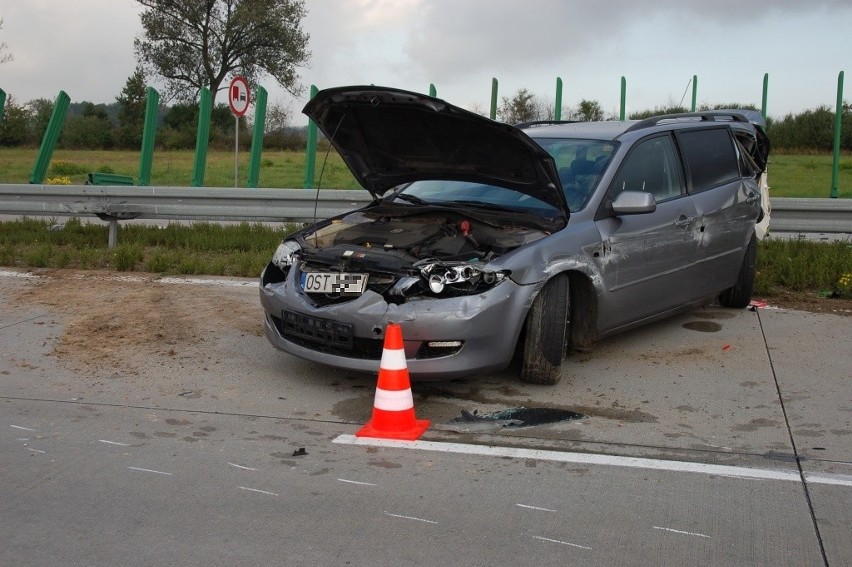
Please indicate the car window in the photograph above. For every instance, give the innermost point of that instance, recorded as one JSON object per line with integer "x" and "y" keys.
{"x": 651, "y": 166}
{"x": 709, "y": 157}
{"x": 580, "y": 164}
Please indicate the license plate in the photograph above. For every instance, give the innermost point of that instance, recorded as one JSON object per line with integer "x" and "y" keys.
{"x": 334, "y": 283}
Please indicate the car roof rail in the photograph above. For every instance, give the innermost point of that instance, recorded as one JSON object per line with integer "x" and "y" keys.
{"x": 534, "y": 123}
{"x": 705, "y": 116}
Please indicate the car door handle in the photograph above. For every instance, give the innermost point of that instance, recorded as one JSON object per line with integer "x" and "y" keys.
{"x": 684, "y": 222}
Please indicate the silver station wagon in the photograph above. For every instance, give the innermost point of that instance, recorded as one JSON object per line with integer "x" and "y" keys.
{"x": 489, "y": 243}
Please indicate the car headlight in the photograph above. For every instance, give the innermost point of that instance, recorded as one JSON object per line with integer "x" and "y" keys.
{"x": 286, "y": 254}
{"x": 460, "y": 278}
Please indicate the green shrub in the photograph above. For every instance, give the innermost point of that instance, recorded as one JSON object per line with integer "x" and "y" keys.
{"x": 65, "y": 168}
{"x": 126, "y": 256}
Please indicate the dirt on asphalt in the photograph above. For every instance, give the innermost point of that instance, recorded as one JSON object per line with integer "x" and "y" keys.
{"x": 116, "y": 318}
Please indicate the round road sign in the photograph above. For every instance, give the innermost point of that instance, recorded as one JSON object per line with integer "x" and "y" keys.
{"x": 238, "y": 96}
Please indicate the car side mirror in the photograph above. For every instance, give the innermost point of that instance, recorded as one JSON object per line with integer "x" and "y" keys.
{"x": 634, "y": 203}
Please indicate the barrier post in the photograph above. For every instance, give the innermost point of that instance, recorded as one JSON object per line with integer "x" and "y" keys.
{"x": 51, "y": 135}
{"x": 2, "y": 103}
{"x": 493, "y": 113}
{"x": 311, "y": 149}
{"x": 838, "y": 123}
{"x": 621, "y": 114}
{"x": 202, "y": 138}
{"x": 149, "y": 130}
{"x": 557, "y": 111}
{"x": 433, "y": 92}
{"x": 257, "y": 136}
{"x": 765, "y": 93}
{"x": 694, "y": 91}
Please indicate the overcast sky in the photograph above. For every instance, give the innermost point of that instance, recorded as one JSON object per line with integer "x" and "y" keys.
{"x": 85, "y": 47}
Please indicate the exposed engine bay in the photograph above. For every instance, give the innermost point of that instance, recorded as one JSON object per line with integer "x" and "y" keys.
{"x": 433, "y": 253}
{"x": 437, "y": 235}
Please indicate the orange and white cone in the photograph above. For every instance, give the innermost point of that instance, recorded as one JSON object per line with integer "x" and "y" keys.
{"x": 393, "y": 407}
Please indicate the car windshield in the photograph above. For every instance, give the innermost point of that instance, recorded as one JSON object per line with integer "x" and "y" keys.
{"x": 580, "y": 163}
{"x": 449, "y": 193}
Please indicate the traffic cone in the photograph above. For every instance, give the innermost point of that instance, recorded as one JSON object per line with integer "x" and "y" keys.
{"x": 393, "y": 407}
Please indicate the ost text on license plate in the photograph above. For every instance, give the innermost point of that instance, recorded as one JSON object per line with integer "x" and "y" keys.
{"x": 334, "y": 282}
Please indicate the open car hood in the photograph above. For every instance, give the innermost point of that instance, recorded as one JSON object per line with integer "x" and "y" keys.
{"x": 388, "y": 137}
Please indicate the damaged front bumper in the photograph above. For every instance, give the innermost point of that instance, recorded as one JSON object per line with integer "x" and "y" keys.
{"x": 444, "y": 338}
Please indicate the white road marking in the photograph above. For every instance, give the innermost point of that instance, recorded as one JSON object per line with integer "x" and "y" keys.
{"x": 113, "y": 443}
{"x": 11, "y": 274}
{"x": 790, "y": 475}
{"x": 150, "y": 470}
{"x": 22, "y": 428}
{"x": 242, "y": 467}
{"x": 357, "y": 482}
{"x": 560, "y": 542}
{"x": 535, "y": 508}
{"x": 221, "y": 282}
{"x": 224, "y": 282}
{"x": 835, "y": 479}
{"x": 681, "y": 532}
{"x": 36, "y": 450}
{"x": 410, "y": 518}
{"x": 256, "y": 490}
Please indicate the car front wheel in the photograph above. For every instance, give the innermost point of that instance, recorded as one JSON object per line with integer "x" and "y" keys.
{"x": 739, "y": 295}
{"x": 546, "y": 330}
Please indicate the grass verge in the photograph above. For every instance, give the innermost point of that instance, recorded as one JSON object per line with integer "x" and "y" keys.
{"x": 198, "y": 249}
{"x": 790, "y": 175}
{"x": 784, "y": 266}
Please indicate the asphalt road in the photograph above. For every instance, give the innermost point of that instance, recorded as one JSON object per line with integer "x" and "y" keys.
{"x": 175, "y": 434}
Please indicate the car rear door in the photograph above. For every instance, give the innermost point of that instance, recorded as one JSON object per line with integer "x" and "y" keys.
{"x": 727, "y": 203}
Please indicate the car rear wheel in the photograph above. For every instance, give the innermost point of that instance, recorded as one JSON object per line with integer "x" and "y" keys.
{"x": 739, "y": 295}
{"x": 546, "y": 330}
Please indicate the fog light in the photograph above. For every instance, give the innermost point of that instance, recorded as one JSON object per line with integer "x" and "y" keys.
{"x": 444, "y": 344}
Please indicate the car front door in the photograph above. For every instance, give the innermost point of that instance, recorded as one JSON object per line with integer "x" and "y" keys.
{"x": 648, "y": 259}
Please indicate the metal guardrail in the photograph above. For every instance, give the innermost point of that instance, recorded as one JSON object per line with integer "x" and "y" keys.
{"x": 178, "y": 203}
{"x": 115, "y": 203}
{"x": 811, "y": 215}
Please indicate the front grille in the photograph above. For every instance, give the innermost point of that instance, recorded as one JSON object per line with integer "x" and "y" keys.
{"x": 324, "y": 335}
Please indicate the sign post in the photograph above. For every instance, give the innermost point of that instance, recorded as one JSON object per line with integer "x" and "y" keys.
{"x": 238, "y": 100}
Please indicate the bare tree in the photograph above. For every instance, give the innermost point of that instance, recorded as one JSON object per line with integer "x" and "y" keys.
{"x": 198, "y": 43}
{"x": 5, "y": 56}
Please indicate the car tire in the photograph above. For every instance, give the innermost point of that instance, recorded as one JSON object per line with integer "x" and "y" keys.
{"x": 739, "y": 295}
{"x": 546, "y": 331}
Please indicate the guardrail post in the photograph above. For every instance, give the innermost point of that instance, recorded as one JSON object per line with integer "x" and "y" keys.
{"x": 257, "y": 136}
{"x": 621, "y": 113}
{"x": 557, "y": 110}
{"x": 149, "y": 130}
{"x": 765, "y": 94}
{"x": 112, "y": 239}
{"x": 694, "y": 91}
{"x": 51, "y": 135}
{"x": 311, "y": 149}
{"x": 202, "y": 138}
{"x": 2, "y": 103}
{"x": 493, "y": 113}
{"x": 838, "y": 123}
